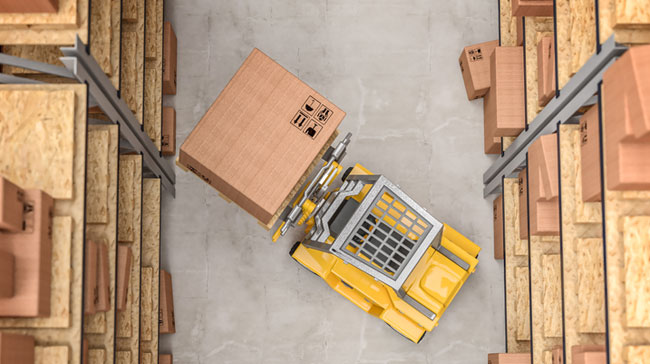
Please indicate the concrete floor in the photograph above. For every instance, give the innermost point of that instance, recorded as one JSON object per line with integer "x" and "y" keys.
{"x": 392, "y": 65}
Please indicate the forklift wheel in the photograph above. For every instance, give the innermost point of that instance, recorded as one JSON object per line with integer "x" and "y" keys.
{"x": 346, "y": 174}
{"x": 293, "y": 248}
{"x": 421, "y": 337}
{"x": 402, "y": 335}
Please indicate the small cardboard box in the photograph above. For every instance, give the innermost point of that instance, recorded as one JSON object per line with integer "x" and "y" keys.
{"x": 124, "y": 258}
{"x": 169, "y": 59}
{"x": 626, "y": 121}
{"x": 16, "y": 349}
{"x": 491, "y": 142}
{"x": 523, "y": 204}
{"x": 504, "y": 114}
{"x": 167, "y": 320}
{"x": 168, "y": 131}
{"x": 475, "y": 66}
{"x": 11, "y": 206}
{"x": 31, "y": 6}
{"x": 589, "y": 354}
{"x": 497, "y": 212}
{"x": 103, "y": 303}
{"x": 260, "y": 136}
{"x": 503, "y": 358}
{"x": 90, "y": 278}
{"x": 590, "y": 155}
{"x": 545, "y": 70}
{"x": 6, "y": 274}
{"x": 543, "y": 191}
{"x": 32, "y": 251}
{"x": 520, "y": 31}
{"x": 165, "y": 359}
{"x": 557, "y": 355}
{"x": 532, "y": 7}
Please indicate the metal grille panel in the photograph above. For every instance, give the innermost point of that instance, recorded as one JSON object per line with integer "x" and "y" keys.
{"x": 388, "y": 235}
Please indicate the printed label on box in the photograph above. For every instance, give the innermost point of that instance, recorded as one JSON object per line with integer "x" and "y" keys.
{"x": 311, "y": 117}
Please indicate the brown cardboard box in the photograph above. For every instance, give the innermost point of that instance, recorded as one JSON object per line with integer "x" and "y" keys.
{"x": 590, "y": 155}
{"x": 84, "y": 354}
{"x": 497, "y": 212}
{"x": 474, "y": 63}
{"x": 168, "y": 131}
{"x": 491, "y": 142}
{"x": 32, "y": 251}
{"x": 11, "y": 206}
{"x": 523, "y": 204}
{"x": 505, "y": 114}
{"x": 260, "y": 136}
{"x": 510, "y": 358}
{"x": 544, "y": 210}
{"x": 545, "y": 70}
{"x": 90, "y": 278}
{"x": 30, "y": 6}
{"x": 589, "y": 354}
{"x": 626, "y": 120}
{"x": 167, "y": 320}
{"x": 169, "y": 59}
{"x": 16, "y": 349}
{"x": 532, "y": 7}
{"x": 6, "y": 274}
{"x": 520, "y": 31}
{"x": 165, "y": 359}
{"x": 103, "y": 303}
{"x": 558, "y": 355}
{"x": 124, "y": 257}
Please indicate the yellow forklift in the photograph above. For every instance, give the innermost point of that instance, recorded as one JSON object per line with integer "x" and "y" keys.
{"x": 377, "y": 247}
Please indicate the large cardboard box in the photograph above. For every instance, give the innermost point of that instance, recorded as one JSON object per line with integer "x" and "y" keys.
{"x": 31, "y": 6}
{"x": 504, "y": 109}
{"x": 590, "y": 155}
{"x": 103, "y": 303}
{"x": 497, "y": 212}
{"x": 545, "y": 70}
{"x": 543, "y": 186}
{"x": 16, "y": 349}
{"x": 475, "y": 66}
{"x": 90, "y": 278}
{"x": 169, "y": 59}
{"x": 11, "y": 206}
{"x": 165, "y": 359}
{"x": 260, "y": 136}
{"x": 6, "y": 274}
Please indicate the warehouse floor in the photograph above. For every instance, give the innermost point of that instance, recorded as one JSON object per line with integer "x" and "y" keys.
{"x": 393, "y": 67}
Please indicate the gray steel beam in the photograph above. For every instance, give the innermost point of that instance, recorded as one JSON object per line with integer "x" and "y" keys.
{"x": 579, "y": 91}
{"x": 35, "y": 66}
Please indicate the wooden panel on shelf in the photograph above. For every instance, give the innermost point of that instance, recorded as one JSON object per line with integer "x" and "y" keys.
{"x": 133, "y": 39}
{"x": 627, "y": 20}
{"x": 582, "y": 248}
{"x": 508, "y": 24}
{"x": 151, "y": 262}
{"x": 153, "y": 70}
{"x": 576, "y": 36}
{"x": 63, "y": 326}
{"x": 536, "y": 29}
{"x": 61, "y": 27}
{"x": 532, "y": 8}
{"x": 517, "y": 302}
{"x": 52, "y": 355}
{"x": 103, "y": 140}
{"x": 128, "y": 320}
{"x": 552, "y": 295}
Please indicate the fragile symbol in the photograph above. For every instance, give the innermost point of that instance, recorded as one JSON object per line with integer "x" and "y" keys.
{"x": 299, "y": 120}
{"x": 313, "y": 129}
{"x": 475, "y": 54}
{"x": 310, "y": 105}
{"x": 323, "y": 114}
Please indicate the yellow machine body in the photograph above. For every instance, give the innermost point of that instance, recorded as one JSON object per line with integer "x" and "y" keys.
{"x": 433, "y": 283}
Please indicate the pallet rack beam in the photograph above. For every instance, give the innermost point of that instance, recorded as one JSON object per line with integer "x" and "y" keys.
{"x": 80, "y": 65}
{"x": 578, "y": 92}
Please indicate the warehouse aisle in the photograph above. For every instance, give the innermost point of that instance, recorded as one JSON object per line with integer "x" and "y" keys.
{"x": 393, "y": 67}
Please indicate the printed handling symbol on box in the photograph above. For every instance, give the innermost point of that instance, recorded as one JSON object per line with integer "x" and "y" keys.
{"x": 310, "y": 105}
{"x": 313, "y": 128}
{"x": 323, "y": 114}
{"x": 300, "y": 120}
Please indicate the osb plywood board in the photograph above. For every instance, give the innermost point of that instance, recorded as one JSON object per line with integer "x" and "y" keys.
{"x": 97, "y": 356}
{"x": 628, "y": 20}
{"x": 151, "y": 260}
{"x": 133, "y": 35}
{"x": 146, "y": 358}
{"x": 548, "y": 357}
{"x": 116, "y": 30}
{"x": 99, "y": 329}
{"x": 516, "y": 284}
{"x": 153, "y": 76}
{"x": 146, "y": 303}
{"x": 128, "y": 321}
{"x": 582, "y": 251}
{"x": 576, "y": 36}
{"x": 123, "y": 357}
{"x": 540, "y": 278}
{"x": 42, "y": 53}
{"x": 638, "y": 354}
{"x": 97, "y": 179}
{"x": 59, "y": 28}
{"x": 151, "y": 28}
{"x": 536, "y": 29}
{"x": 508, "y": 30}
{"x": 621, "y": 226}
{"x": 67, "y": 211}
{"x": 51, "y": 355}
{"x": 60, "y": 283}
{"x": 552, "y": 296}
{"x": 100, "y": 33}
{"x": 506, "y": 141}
{"x": 127, "y": 200}
{"x": 37, "y": 139}
{"x": 636, "y": 243}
